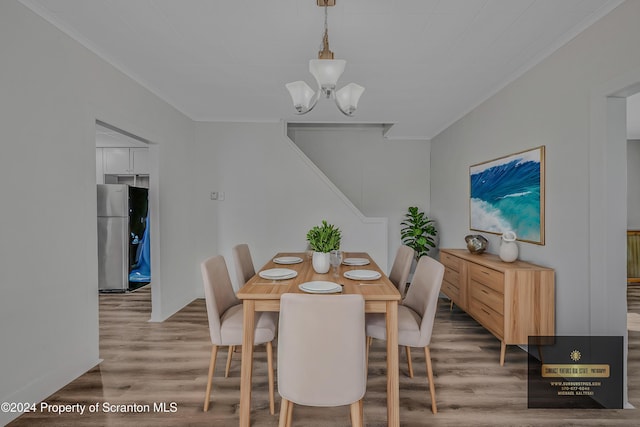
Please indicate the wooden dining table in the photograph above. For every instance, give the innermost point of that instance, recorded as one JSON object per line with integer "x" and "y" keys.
{"x": 380, "y": 296}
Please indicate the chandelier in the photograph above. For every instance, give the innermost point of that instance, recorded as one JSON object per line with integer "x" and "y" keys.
{"x": 327, "y": 71}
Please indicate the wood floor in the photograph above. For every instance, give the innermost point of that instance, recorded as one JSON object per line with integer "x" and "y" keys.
{"x": 167, "y": 363}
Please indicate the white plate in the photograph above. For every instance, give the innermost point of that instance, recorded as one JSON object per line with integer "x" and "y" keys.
{"x": 278, "y": 274}
{"x": 320, "y": 287}
{"x": 355, "y": 261}
{"x": 287, "y": 260}
{"x": 362, "y": 275}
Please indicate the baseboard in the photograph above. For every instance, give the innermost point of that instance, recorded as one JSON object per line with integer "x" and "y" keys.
{"x": 40, "y": 388}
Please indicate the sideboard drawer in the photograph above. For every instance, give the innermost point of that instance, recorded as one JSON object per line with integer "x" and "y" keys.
{"x": 487, "y": 296}
{"x": 450, "y": 290}
{"x": 452, "y": 277}
{"x": 491, "y": 278}
{"x": 487, "y": 317}
{"x": 450, "y": 261}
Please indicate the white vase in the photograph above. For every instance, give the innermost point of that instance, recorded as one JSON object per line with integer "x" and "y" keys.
{"x": 321, "y": 262}
{"x": 508, "y": 247}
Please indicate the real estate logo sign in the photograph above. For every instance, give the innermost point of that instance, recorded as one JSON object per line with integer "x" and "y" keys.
{"x": 575, "y": 372}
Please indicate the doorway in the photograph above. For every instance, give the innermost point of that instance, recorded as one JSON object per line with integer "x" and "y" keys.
{"x": 124, "y": 238}
{"x": 608, "y": 210}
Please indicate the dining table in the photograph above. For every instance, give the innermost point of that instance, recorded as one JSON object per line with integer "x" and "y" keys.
{"x": 263, "y": 294}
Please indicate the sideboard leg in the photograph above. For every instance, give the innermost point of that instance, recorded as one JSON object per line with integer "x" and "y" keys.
{"x": 503, "y": 350}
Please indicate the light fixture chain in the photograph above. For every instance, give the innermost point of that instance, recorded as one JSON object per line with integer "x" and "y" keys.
{"x": 325, "y": 31}
{"x": 325, "y": 52}
{"x": 326, "y": 14}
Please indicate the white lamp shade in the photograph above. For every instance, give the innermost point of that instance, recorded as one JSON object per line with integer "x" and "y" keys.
{"x": 301, "y": 95}
{"x": 327, "y": 71}
{"x": 347, "y": 98}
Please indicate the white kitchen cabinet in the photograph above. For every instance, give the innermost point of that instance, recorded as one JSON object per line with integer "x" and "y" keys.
{"x": 139, "y": 160}
{"x": 116, "y": 161}
{"x": 126, "y": 161}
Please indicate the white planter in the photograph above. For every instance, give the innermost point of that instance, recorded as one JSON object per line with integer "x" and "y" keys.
{"x": 321, "y": 262}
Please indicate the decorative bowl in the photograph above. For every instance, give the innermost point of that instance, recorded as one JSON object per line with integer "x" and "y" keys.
{"x": 476, "y": 243}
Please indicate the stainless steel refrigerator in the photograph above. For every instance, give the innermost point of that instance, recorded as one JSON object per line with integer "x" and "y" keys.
{"x": 122, "y": 213}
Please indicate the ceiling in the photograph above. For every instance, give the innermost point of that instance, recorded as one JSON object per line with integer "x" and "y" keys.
{"x": 424, "y": 63}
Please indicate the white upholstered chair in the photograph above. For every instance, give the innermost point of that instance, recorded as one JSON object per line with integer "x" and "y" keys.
{"x": 321, "y": 353}
{"x": 415, "y": 316}
{"x": 401, "y": 267}
{"x": 243, "y": 262}
{"x": 399, "y": 275}
{"x": 224, "y": 310}
{"x": 244, "y": 271}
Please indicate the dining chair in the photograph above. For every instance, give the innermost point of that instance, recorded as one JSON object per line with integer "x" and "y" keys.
{"x": 401, "y": 267}
{"x": 321, "y": 353}
{"x": 225, "y": 313}
{"x": 399, "y": 275}
{"x": 243, "y": 263}
{"x": 416, "y": 316}
{"x": 244, "y": 271}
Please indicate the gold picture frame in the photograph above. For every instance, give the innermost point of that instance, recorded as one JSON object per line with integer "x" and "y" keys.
{"x": 508, "y": 193}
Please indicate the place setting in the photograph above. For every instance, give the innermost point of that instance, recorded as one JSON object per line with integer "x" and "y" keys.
{"x": 355, "y": 261}
{"x": 362, "y": 275}
{"x": 286, "y": 260}
{"x": 320, "y": 287}
{"x": 278, "y": 274}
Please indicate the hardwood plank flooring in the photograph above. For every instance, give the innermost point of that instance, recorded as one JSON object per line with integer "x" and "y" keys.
{"x": 167, "y": 363}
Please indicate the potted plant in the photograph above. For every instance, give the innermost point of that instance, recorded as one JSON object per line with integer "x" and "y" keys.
{"x": 323, "y": 239}
{"x": 418, "y": 232}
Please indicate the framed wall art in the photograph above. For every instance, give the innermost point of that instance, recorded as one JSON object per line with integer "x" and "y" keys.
{"x": 507, "y": 194}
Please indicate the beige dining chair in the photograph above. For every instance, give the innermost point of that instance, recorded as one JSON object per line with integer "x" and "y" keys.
{"x": 416, "y": 316}
{"x": 225, "y": 314}
{"x": 244, "y": 271}
{"x": 399, "y": 275}
{"x": 401, "y": 267}
{"x": 321, "y": 353}
{"x": 243, "y": 263}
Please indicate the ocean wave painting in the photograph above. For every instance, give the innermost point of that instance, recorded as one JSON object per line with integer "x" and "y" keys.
{"x": 508, "y": 194}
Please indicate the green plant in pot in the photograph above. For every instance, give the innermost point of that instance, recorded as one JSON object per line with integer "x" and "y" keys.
{"x": 323, "y": 239}
{"x": 418, "y": 232}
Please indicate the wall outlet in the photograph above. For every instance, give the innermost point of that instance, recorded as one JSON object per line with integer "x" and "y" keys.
{"x": 214, "y": 195}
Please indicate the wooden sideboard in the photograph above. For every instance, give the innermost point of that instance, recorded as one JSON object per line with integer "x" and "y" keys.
{"x": 512, "y": 300}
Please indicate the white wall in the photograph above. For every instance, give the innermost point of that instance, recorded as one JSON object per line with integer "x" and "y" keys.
{"x": 556, "y": 104}
{"x": 381, "y": 177}
{"x": 52, "y": 91}
{"x": 273, "y": 196}
{"x": 633, "y": 184}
